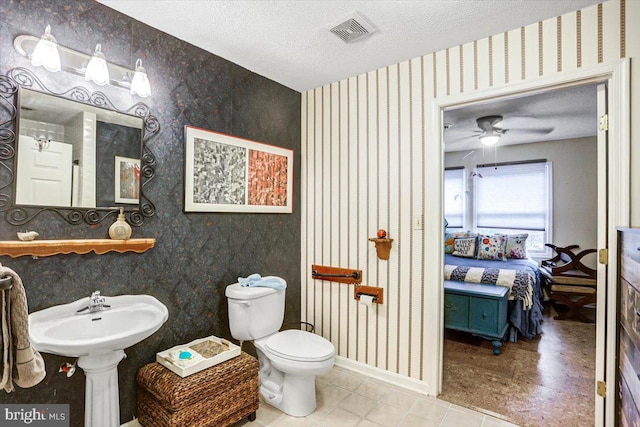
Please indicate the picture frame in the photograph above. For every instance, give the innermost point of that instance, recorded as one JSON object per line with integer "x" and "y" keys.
{"x": 127, "y": 180}
{"x": 224, "y": 173}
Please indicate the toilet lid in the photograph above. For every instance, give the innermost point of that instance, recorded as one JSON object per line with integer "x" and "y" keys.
{"x": 294, "y": 344}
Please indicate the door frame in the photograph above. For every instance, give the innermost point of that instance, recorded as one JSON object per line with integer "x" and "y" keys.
{"x": 617, "y": 76}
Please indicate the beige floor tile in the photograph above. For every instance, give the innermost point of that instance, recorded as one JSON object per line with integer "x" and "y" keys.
{"x": 430, "y": 409}
{"x": 267, "y": 414}
{"x": 332, "y": 394}
{"x": 372, "y": 389}
{"x": 385, "y": 415}
{"x": 455, "y": 418}
{"x": 348, "y": 381}
{"x": 357, "y": 404}
{"x": 368, "y": 423}
{"x": 330, "y": 376}
{"x": 328, "y": 399}
{"x": 373, "y": 403}
{"x": 411, "y": 420}
{"x": 496, "y": 422}
{"x": 339, "y": 417}
{"x": 399, "y": 399}
{"x": 287, "y": 421}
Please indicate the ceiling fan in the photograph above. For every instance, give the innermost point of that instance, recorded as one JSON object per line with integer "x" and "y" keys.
{"x": 491, "y": 133}
{"x": 492, "y": 127}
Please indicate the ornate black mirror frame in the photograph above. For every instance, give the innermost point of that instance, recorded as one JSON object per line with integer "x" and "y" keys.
{"x": 18, "y": 214}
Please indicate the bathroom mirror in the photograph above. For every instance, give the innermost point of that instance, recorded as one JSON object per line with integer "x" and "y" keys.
{"x": 73, "y": 153}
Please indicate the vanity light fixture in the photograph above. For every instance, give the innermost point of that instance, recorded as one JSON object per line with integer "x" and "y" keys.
{"x": 97, "y": 70}
{"x": 82, "y": 64}
{"x": 46, "y": 52}
{"x": 140, "y": 82}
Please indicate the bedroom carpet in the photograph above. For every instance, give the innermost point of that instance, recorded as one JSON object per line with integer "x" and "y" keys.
{"x": 546, "y": 381}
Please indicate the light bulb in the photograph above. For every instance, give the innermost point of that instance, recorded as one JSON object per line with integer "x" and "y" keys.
{"x": 46, "y": 52}
{"x": 97, "y": 70}
{"x": 140, "y": 82}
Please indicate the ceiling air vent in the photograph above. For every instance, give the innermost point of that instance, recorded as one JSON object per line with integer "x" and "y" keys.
{"x": 351, "y": 28}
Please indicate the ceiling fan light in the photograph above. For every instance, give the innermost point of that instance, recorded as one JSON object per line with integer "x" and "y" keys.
{"x": 491, "y": 139}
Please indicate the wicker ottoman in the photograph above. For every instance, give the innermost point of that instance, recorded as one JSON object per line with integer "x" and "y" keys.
{"x": 217, "y": 396}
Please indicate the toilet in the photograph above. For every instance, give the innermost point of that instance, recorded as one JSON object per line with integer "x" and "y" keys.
{"x": 289, "y": 360}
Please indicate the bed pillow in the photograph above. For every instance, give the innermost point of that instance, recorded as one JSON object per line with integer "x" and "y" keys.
{"x": 492, "y": 247}
{"x": 450, "y": 237}
{"x": 464, "y": 247}
{"x": 516, "y": 246}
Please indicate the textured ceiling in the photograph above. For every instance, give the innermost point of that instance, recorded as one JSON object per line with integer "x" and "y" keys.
{"x": 289, "y": 42}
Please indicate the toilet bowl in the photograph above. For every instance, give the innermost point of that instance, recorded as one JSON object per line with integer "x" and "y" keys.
{"x": 289, "y": 360}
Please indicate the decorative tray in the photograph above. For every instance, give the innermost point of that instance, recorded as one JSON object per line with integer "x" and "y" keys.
{"x": 203, "y": 353}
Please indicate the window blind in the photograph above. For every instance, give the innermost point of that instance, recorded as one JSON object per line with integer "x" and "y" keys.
{"x": 512, "y": 196}
{"x": 454, "y": 197}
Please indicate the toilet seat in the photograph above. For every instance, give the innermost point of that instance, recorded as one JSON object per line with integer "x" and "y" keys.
{"x": 300, "y": 346}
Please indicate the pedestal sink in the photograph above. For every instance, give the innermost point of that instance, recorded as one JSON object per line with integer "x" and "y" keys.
{"x": 98, "y": 339}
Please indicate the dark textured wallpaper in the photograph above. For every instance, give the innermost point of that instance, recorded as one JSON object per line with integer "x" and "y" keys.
{"x": 196, "y": 255}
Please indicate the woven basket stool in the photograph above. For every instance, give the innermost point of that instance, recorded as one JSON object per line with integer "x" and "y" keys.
{"x": 217, "y": 396}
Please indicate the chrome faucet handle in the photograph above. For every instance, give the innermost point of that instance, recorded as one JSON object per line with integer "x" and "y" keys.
{"x": 96, "y": 298}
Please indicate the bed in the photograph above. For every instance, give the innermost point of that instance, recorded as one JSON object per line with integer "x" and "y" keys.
{"x": 522, "y": 276}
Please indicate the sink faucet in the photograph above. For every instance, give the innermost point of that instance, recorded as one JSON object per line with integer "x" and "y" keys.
{"x": 96, "y": 303}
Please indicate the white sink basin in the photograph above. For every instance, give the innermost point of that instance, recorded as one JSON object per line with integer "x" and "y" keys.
{"x": 61, "y": 330}
{"x": 98, "y": 339}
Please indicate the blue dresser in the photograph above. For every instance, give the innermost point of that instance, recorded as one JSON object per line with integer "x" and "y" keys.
{"x": 478, "y": 309}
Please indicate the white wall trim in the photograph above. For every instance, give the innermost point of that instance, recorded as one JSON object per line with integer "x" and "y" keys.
{"x": 133, "y": 423}
{"x": 617, "y": 73}
{"x": 383, "y": 375}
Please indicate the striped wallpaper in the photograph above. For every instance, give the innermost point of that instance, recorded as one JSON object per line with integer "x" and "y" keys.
{"x": 365, "y": 162}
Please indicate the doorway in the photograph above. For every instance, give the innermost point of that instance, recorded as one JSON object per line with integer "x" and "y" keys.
{"x": 537, "y": 184}
{"x": 617, "y": 209}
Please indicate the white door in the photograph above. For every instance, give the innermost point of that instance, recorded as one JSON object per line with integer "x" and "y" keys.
{"x": 43, "y": 177}
{"x": 601, "y": 302}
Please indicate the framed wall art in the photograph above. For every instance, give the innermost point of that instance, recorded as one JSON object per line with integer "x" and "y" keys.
{"x": 224, "y": 173}
{"x": 127, "y": 180}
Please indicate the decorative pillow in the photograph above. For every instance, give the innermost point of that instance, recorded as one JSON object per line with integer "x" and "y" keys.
{"x": 464, "y": 247}
{"x": 449, "y": 238}
{"x": 492, "y": 247}
{"x": 516, "y": 246}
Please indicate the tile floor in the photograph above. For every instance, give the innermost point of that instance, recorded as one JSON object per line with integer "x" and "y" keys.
{"x": 348, "y": 399}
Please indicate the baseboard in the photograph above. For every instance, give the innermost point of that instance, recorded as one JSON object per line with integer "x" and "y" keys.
{"x": 382, "y": 375}
{"x": 133, "y": 423}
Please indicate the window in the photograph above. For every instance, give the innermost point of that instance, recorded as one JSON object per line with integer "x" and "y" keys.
{"x": 515, "y": 198}
{"x": 454, "y": 199}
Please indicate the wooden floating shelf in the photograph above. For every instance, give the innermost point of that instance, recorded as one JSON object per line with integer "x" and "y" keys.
{"x": 38, "y": 248}
{"x": 383, "y": 247}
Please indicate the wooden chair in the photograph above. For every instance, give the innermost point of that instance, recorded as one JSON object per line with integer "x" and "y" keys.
{"x": 569, "y": 281}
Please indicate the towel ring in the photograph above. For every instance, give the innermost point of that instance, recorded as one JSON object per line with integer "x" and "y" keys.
{"x": 6, "y": 283}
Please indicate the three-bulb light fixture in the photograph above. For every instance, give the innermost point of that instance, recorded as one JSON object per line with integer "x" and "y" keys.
{"x": 46, "y": 52}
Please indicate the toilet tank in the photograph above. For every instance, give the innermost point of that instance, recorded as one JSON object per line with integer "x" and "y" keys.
{"x": 254, "y": 312}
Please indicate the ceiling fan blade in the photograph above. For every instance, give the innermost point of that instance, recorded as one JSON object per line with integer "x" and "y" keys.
{"x": 538, "y": 131}
{"x": 458, "y": 138}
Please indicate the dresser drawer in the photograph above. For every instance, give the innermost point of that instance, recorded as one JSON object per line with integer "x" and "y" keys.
{"x": 456, "y": 311}
{"x": 630, "y": 257}
{"x": 629, "y": 307}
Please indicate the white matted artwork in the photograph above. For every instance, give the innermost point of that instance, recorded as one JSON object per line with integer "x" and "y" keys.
{"x": 127, "y": 180}
{"x": 224, "y": 173}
